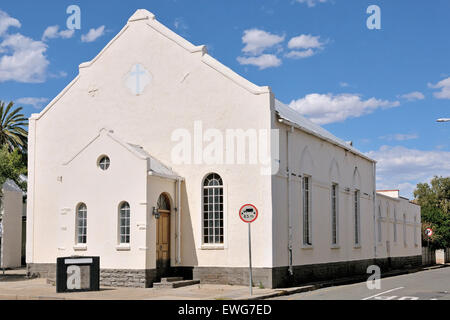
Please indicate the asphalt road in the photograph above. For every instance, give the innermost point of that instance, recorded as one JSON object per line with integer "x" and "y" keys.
{"x": 423, "y": 285}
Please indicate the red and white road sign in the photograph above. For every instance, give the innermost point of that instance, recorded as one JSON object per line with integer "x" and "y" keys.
{"x": 429, "y": 232}
{"x": 248, "y": 213}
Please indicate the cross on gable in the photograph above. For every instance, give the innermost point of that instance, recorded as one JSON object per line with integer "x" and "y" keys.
{"x": 138, "y": 79}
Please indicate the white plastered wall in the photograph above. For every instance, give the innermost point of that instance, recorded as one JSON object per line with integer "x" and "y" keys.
{"x": 187, "y": 85}
{"x": 326, "y": 164}
{"x": 12, "y": 204}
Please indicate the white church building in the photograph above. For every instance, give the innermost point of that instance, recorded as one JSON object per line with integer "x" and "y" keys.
{"x": 126, "y": 164}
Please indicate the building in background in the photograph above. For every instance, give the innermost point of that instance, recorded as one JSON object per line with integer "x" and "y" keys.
{"x": 11, "y": 225}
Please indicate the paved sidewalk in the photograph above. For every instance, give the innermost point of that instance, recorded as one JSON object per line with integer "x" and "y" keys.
{"x": 15, "y": 286}
{"x": 38, "y": 289}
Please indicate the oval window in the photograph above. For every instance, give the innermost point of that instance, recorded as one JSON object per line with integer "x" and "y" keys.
{"x": 104, "y": 163}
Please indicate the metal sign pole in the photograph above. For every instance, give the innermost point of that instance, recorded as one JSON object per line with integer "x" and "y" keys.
{"x": 250, "y": 257}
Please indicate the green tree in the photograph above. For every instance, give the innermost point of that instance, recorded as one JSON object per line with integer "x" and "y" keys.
{"x": 11, "y": 167}
{"x": 434, "y": 200}
{"x": 12, "y": 123}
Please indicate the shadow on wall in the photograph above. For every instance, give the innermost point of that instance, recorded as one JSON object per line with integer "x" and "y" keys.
{"x": 188, "y": 247}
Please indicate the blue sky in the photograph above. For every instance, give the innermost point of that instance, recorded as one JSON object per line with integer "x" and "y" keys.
{"x": 382, "y": 89}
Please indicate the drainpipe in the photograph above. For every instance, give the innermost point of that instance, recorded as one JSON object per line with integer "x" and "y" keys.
{"x": 288, "y": 170}
{"x": 374, "y": 210}
{"x": 178, "y": 212}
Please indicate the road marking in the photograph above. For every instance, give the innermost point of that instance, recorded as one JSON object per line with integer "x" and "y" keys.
{"x": 379, "y": 294}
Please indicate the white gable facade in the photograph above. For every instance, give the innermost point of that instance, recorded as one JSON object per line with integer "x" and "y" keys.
{"x": 105, "y": 176}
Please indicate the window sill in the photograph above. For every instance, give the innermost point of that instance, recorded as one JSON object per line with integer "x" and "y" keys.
{"x": 307, "y": 247}
{"x": 80, "y": 247}
{"x": 123, "y": 247}
{"x": 357, "y": 246}
{"x": 212, "y": 247}
{"x": 335, "y": 246}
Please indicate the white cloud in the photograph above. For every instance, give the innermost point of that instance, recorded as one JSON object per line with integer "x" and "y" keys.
{"x": 180, "y": 24}
{"x": 329, "y": 108}
{"x": 344, "y": 84}
{"x": 412, "y": 96}
{"x": 24, "y": 59}
{"x": 263, "y": 61}
{"x": 35, "y": 102}
{"x": 53, "y": 32}
{"x": 93, "y": 34}
{"x": 400, "y": 137}
{"x": 311, "y": 3}
{"x": 402, "y": 168}
{"x": 300, "y": 54}
{"x": 444, "y": 85}
{"x": 305, "y": 41}
{"x": 6, "y": 21}
{"x": 256, "y": 41}
{"x": 304, "y": 45}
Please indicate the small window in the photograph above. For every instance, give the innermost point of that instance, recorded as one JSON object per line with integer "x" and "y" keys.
{"x": 104, "y": 163}
{"x": 124, "y": 223}
{"x": 81, "y": 224}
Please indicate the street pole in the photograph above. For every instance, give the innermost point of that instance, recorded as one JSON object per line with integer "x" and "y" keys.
{"x": 250, "y": 257}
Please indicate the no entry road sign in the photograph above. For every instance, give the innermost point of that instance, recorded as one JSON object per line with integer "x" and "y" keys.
{"x": 248, "y": 213}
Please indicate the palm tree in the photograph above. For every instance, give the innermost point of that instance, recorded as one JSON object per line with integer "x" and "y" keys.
{"x": 12, "y": 132}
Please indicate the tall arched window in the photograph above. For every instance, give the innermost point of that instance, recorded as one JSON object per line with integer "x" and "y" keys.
{"x": 213, "y": 209}
{"x": 124, "y": 223}
{"x": 81, "y": 224}
{"x": 379, "y": 224}
{"x": 404, "y": 230}
{"x": 395, "y": 224}
{"x": 415, "y": 231}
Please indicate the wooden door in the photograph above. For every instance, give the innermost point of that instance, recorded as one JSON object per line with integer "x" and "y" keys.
{"x": 163, "y": 243}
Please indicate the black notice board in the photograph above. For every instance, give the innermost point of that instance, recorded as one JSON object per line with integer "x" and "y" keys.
{"x": 77, "y": 274}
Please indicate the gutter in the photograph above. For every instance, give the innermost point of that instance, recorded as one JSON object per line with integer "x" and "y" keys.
{"x": 178, "y": 212}
{"x": 292, "y": 124}
{"x": 288, "y": 171}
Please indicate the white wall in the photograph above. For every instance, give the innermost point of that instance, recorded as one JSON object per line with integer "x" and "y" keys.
{"x": 392, "y": 211}
{"x": 326, "y": 164}
{"x": 12, "y": 228}
{"x": 187, "y": 86}
{"x": 102, "y": 192}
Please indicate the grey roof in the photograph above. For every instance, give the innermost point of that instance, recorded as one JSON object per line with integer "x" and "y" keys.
{"x": 154, "y": 166}
{"x": 10, "y": 185}
{"x": 289, "y": 114}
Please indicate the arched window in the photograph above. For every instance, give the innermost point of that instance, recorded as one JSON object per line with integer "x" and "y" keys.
{"x": 379, "y": 224}
{"x": 395, "y": 224}
{"x": 357, "y": 214}
{"x": 124, "y": 223}
{"x": 213, "y": 209}
{"x": 415, "y": 231}
{"x": 163, "y": 203}
{"x": 404, "y": 230}
{"x": 81, "y": 223}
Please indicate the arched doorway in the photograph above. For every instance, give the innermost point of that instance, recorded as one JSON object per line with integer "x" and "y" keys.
{"x": 163, "y": 236}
